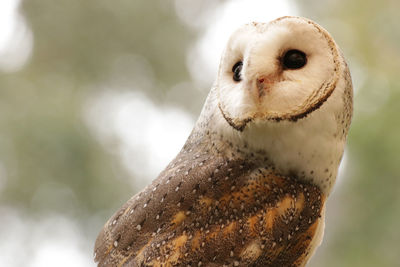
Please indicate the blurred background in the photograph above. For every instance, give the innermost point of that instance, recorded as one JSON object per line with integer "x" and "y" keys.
{"x": 88, "y": 90}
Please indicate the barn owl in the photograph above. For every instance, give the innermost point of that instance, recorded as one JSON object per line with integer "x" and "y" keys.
{"x": 250, "y": 184}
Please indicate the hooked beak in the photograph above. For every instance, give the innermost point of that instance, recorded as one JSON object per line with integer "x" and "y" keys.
{"x": 263, "y": 85}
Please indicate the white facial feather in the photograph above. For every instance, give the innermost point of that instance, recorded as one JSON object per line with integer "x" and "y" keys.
{"x": 309, "y": 145}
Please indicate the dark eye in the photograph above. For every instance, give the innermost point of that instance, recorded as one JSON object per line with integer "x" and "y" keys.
{"x": 237, "y": 69}
{"x": 294, "y": 59}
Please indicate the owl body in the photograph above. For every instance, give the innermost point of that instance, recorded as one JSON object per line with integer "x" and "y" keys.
{"x": 249, "y": 186}
{"x": 215, "y": 206}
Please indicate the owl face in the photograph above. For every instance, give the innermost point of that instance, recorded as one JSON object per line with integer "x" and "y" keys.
{"x": 282, "y": 70}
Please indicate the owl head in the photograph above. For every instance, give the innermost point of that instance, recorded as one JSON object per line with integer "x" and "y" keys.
{"x": 283, "y": 70}
{"x": 284, "y": 87}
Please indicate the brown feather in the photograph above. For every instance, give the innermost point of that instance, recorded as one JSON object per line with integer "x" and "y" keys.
{"x": 207, "y": 210}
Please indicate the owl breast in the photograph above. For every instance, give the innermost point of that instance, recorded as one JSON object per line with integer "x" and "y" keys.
{"x": 214, "y": 211}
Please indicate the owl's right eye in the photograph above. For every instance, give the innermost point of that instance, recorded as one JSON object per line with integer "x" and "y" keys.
{"x": 237, "y": 70}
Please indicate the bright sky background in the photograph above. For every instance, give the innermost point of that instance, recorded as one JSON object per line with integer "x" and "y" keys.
{"x": 16, "y": 39}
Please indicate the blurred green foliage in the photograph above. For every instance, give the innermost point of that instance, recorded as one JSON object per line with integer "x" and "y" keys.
{"x": 55, "y": 165}
{"x": 44, "y": 138}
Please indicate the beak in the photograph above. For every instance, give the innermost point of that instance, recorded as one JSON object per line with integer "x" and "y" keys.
{"x": 263, "y": 85}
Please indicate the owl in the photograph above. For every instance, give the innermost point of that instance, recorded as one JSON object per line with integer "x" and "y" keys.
{"x": 250, "y": 184}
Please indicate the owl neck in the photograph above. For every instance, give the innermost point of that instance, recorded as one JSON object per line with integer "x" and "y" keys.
{"x": 306, "y": 149}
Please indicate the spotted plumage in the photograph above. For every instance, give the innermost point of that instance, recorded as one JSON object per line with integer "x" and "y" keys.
{"x": 214, "y": 209}
{"x": 249, "y": 186}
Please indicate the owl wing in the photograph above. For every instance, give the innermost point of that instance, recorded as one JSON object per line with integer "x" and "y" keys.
{"x": 213, "y": 212}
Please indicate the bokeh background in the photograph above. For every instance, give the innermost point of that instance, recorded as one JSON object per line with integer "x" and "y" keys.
{"x": 97, "y": 96}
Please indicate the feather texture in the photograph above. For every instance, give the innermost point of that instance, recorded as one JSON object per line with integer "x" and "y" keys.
{"x": 211, "y": 210}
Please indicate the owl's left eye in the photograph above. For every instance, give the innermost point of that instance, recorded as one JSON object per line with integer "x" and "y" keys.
{"x": 294, "y": 59}
{"x": 237, "y": 69}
